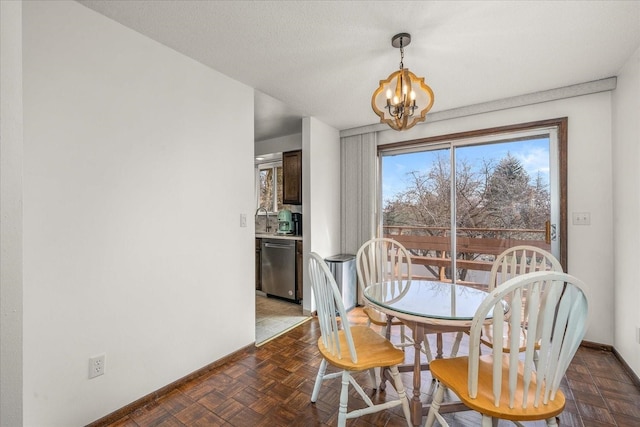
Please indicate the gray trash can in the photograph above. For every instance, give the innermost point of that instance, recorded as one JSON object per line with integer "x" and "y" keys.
{"x": 343, "y": 268}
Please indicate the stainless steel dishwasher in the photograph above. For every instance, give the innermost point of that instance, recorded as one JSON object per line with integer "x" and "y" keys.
{"x": 279, "y": 268}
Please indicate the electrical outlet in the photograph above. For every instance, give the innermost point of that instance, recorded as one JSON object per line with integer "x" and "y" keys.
{"x": 96, "y": 366}
{"x": 243, "y": 220}
{"x": 581, "y": 218}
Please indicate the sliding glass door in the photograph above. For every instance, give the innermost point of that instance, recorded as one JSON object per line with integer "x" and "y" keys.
{"x": 473, "y": 197}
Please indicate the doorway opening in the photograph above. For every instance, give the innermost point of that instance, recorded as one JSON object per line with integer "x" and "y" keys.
{"x": 274, "y": 317}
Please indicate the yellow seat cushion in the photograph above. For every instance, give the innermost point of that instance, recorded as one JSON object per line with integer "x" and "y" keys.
{"x": 454, "y": 374}
{"x": 372, "y": 350}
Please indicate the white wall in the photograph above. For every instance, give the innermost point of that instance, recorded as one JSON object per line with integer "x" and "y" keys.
{"x": 590, "y": 248}
{"x": 131, "y": 165}
{"x": 320, "y": 194}
{"x": 11, "y": 213}
{"x": 626, "y": 207}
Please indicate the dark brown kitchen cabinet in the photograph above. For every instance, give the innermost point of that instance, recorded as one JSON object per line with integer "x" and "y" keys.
{"x": 258, "y": 264}
{"x": 292, "y": 177}
{"x": 299, "y": 260}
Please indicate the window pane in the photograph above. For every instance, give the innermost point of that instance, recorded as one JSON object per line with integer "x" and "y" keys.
{"x": 266, "y": 189}
{"x": 502, "y": 200}
{"x": 279, "y": 187}
{"x": 416, "y": 208}
{"x": 270, "y": 196}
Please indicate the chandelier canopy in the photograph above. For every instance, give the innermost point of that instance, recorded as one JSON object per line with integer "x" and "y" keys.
{"x": 403, "y": 99}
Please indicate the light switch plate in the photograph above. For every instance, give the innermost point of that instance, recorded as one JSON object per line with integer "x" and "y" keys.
{"x": 581, "y": 218}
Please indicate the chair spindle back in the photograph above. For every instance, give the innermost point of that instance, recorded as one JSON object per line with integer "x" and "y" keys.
{"x": 382, "y": 259}
{"x": 329, "y": 306}
{"x": 554, "y": 312}
{"x": 519, "y": 260}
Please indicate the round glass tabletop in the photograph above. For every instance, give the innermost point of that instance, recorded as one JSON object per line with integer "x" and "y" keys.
{"x": 429, "y": 299}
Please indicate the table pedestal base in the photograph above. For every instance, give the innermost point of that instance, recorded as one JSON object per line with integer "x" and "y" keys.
{"x": 418, "y": 410}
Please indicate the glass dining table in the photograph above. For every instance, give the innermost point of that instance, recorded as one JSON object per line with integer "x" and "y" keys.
{"x": 425, "y": 307}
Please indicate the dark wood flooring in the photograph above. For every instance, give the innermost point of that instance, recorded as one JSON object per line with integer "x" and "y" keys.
{"x": 271, "y": 386}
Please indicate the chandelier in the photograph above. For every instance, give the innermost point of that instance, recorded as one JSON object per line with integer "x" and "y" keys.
{"x": 403, "y": 99}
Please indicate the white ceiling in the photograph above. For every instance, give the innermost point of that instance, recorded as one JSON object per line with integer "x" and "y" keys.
{"x": 325, "y": 58}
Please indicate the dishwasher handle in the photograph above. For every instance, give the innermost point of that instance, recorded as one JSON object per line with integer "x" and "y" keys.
{"x": 279, "y": 245}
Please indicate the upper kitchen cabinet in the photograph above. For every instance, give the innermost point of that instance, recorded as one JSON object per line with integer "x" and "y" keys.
{"x": 292, "y": 177}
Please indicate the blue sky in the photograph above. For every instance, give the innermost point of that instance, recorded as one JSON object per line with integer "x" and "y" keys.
{"x": 533, "y": 155}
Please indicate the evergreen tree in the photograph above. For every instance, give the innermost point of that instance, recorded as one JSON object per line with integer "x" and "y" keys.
{"x": 508, "y": 195}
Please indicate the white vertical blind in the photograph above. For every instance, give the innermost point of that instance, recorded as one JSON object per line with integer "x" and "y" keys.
{"x": 358, "y": 190}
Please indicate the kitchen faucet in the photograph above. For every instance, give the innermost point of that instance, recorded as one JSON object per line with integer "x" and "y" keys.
{"x": 267, "y": 226}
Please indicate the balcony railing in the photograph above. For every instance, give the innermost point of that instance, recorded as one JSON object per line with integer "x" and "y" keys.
{"x": 476, "y": 249}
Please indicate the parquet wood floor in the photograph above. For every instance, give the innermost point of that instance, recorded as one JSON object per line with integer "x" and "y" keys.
{"x": 271, "y": 386}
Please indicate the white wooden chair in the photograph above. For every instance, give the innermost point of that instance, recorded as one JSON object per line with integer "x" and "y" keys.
{"x": 350, "y": 348}
{"x": 384, "y": 259}
{"x": 521, "y": 260}
{"x": 508, "y": 385}
{"x": 513, "y": 262}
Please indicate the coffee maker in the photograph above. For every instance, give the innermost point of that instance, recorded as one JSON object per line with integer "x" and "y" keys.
{"x": 285, "y": 225}
{"x": 297, "y": 223}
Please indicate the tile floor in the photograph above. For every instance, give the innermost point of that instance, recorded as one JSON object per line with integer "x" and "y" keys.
{"x": 274, "y": 316}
